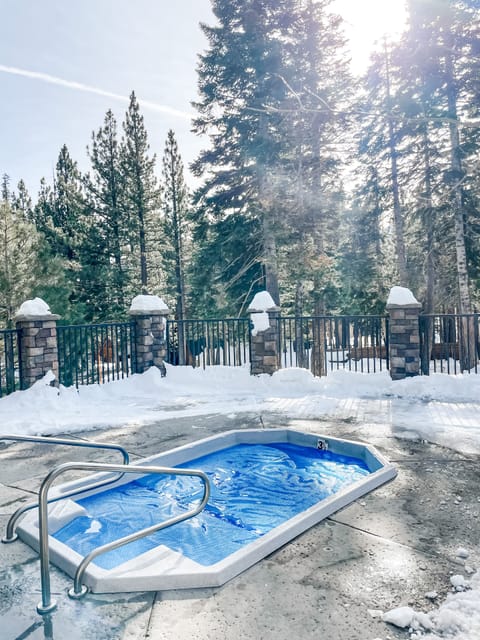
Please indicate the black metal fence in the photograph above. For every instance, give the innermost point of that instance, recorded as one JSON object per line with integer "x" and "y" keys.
{"x": 208, "y": 342}
{"x": 449, "y": 343}
{"x": 356, "y": 343}
{"x": 10, "y": 364}
{"x": 95, "y": 353}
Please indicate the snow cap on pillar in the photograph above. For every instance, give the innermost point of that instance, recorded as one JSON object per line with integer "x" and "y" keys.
{"x": 259, "y": 307}
{"x": 262, "y": 301}
{"x": 401, "y": 297}
{"x": 146, "y": 304}
{"x": 36, "y": 309}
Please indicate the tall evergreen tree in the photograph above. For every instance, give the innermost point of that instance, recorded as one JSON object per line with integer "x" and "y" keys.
{"x": 267, "y": 63}
{"x": 22, "y": 201}
{"x": 27, "y": 266}
{"x": 175, "y": 213}
{"x": 239, "y": 75}
{"x": 320, "y": 87}
{"x": 60, "y": 216}
{"x": 447, "y": 33}
{"x": 112, "y": 235}
{"x": 141, "y": 188}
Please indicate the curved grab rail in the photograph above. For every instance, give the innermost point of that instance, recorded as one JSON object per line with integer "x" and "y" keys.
{"x": 47, "y": 605}
{"x": 10, "y": 535}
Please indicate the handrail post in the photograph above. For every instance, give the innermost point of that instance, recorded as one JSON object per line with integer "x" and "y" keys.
{"x": 47, "y": 605}
{"x": 10, "y": 535}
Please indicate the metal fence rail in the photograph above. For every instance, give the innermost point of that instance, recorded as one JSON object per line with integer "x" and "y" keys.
{"x": 96, "y": 353}
{"x": 10, "y": 362}
{"x": 356, "y": 343}
{"x": 449, "y": 343}
{"x": 208, "y": 342}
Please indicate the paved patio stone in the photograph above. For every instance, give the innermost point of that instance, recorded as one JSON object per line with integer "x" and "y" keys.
{"x": 385, "y": 550}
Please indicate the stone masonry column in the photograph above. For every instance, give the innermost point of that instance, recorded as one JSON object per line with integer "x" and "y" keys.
{"x": 38, "y": 341}
{"x": 150, "y": 316}
{"x": 404, "y": 336}
{"x": 264, "y": 335}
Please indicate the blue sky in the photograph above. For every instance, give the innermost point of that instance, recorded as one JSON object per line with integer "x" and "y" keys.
{"x": 116, "y": 46}
{"x": 150, "y": 46}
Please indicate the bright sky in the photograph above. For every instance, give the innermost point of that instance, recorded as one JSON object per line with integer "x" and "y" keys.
{"x": 64, "y": 64}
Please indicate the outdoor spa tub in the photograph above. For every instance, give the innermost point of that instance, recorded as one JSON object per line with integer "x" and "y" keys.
{"x": 267, "y": 486}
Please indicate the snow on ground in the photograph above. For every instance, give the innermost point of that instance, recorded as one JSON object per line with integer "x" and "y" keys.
{"x": 458, "y": 618}
{"x": 440, "y": 408}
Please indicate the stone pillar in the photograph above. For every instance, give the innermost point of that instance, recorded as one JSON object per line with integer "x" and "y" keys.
{"x": 38, "y": 341}
{"x": 264, "y": 335}
{"x": 150, "y": 316}
{"x": 404, "y": 335}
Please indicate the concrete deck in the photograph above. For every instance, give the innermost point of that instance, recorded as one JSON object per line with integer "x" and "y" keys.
{"x": 386, "y": 550}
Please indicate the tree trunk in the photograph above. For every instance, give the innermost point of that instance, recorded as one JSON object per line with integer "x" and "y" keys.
{"x": 468, "y": 355}
{"x": 430, "y": 267}
{"x": 300, "y": 350}
{"x": 270, "y": 258}
{"x": 397, "y": 209}
{"x": 318, "y": 333}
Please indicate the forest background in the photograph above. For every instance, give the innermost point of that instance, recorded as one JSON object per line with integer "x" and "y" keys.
{"x": 323, "y": 188}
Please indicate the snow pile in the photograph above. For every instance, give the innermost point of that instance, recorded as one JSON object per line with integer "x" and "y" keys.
{"x": 144, "y": 303}
{"x": 457, "y": 618}
{"x": 407, "y": 617}
{"x": 35, "y": 307}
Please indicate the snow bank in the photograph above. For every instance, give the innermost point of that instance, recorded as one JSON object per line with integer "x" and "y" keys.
{"x": 459, "y": 616}
{"x": 439, "y": 408}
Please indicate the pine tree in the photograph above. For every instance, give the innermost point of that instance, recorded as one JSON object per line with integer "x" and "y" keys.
{"x": 141, "y": 189}
{"x": 447, "y": 35}
{"x": 59, "y": 215}
{"x": 22, "y": 201}
{"x": 27, "y": 269}
{"x": 175, "y": 212}
{"x": 109, "y": 226}
{"x": 320, "y": 87}
{"x": 379, "y": 121}
{"x": 239, "y": 75}
{"x": 268, "y": 102}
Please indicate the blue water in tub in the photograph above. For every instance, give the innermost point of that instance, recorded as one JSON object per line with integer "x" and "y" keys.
{"x": 255, "y": 488}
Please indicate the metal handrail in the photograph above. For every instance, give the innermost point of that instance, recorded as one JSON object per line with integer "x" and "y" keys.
{"x": 79, "y": 590}
{"x": 10, "y": 535}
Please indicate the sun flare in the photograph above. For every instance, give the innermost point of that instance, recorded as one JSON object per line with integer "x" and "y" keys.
{"x": 367, "y": 22}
